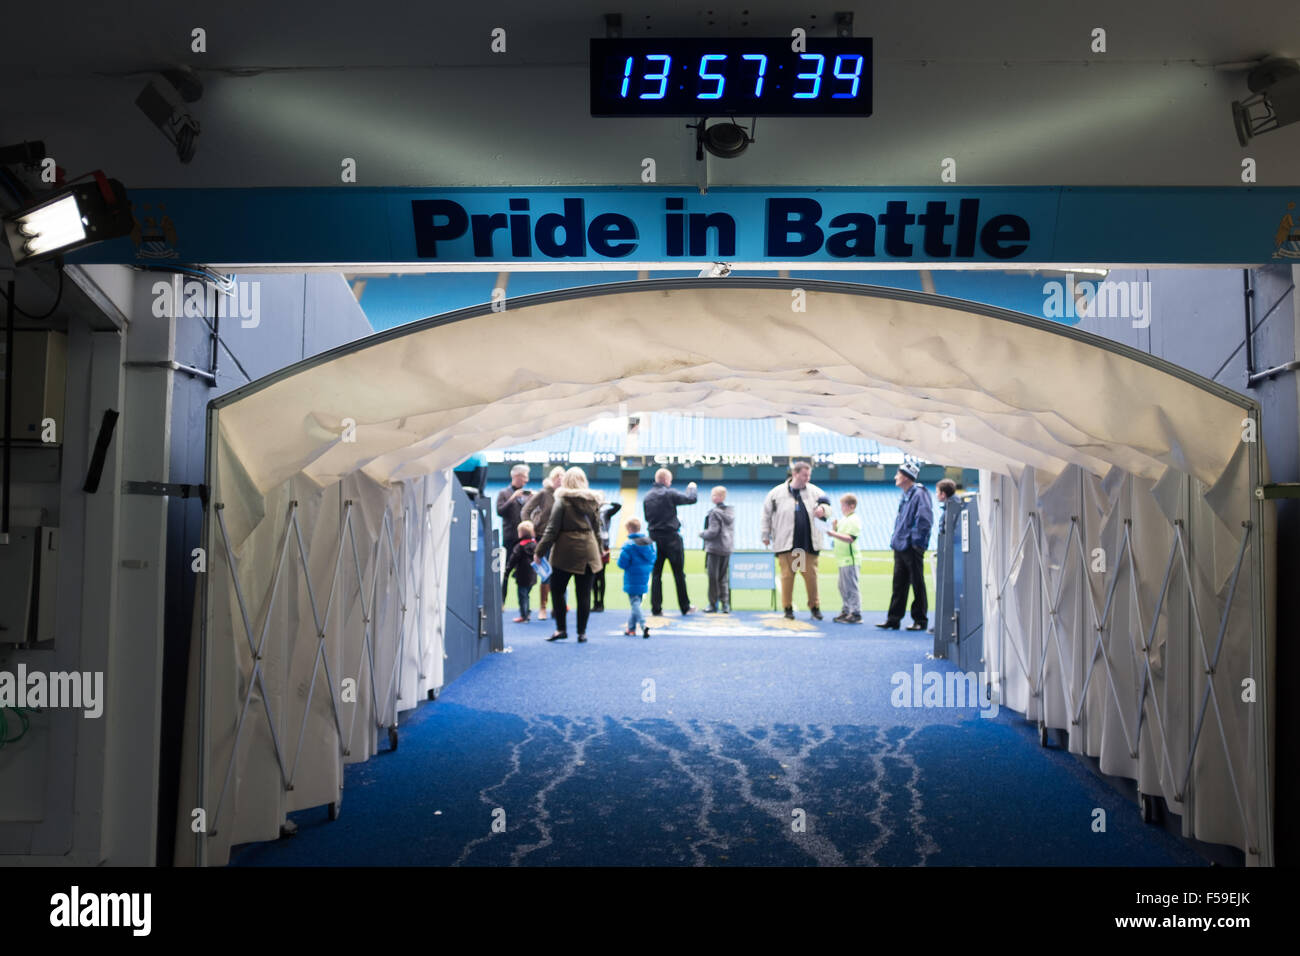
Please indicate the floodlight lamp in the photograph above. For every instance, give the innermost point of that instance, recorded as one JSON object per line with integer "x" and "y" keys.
{"x": 724, "y": 140}
{"x": 75, "y": 217}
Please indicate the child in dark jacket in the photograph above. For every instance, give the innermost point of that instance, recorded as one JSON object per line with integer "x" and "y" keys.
{"x": 636, "y": 559}
{"x": 521, "y": 563}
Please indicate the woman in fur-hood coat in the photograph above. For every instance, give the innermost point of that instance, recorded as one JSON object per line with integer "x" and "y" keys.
{"x": 572, "y": 538}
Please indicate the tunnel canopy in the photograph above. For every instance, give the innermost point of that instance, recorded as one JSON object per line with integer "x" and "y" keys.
{"x": 948, "y": 381}
{"x": 1087, "y": 447}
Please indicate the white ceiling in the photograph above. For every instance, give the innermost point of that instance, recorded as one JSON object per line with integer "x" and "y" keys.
{"x": 411, "y": 91}
{"x": 120, "y": 37}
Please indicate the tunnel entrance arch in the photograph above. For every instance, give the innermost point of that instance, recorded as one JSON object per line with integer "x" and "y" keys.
{"x": 329, "y": 491}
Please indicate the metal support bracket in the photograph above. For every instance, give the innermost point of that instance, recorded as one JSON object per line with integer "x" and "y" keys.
{"x": 166, "y": 489}
{"x": 1281, "y": 489}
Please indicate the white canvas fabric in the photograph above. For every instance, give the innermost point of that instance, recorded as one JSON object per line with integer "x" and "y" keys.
{"x": 1042, "y": 606}
{"x": 1050, "y": 413}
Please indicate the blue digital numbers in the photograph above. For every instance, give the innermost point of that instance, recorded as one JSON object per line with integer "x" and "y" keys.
{"x": 627, "y": 74}
{"x": 719, "y": 78}
{"x": 661, "y": 77}
{"x": 815, "y": 77}
{"x": 713, "y": 76}
{"x": 855, "y": 76}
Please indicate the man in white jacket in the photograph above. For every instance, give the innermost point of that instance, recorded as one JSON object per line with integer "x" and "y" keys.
{"x": 788, "y": 528}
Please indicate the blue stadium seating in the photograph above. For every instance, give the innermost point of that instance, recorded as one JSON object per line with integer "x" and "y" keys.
{"x": 560, "y": 442}
{"x": 673, "y": 434}
{"x": 668, "y": 434}
{"x": 584, "y": 439}
{"x": 828, "y": 443}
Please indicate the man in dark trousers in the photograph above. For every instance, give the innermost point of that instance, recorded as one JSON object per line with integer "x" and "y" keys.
{"x": 510, "y": 502}
{"x": 660, "y": 506}
{"x": 911, "y": 538}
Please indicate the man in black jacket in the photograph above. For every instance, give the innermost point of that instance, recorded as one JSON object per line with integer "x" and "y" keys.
{"x": 660, "y": 507}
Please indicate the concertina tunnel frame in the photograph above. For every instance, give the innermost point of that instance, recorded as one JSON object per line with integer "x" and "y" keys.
{"x": 327, "y": 544}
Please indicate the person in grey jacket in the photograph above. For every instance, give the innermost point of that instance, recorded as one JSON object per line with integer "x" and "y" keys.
{"x": 787, "y": 527}
{"x": 719, "y": 537}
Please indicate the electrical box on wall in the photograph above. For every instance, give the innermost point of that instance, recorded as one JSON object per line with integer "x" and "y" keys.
{"x": 27, "y": 585}
{"x": 40, "y": 379}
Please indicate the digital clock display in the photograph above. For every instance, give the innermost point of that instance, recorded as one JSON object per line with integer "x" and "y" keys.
{"x": 697, "y": 77}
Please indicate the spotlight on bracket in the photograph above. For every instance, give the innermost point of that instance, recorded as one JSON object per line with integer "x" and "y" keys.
{"x": 163, "y": 101}
{"x": 1275, "y": 84}
{"x": 74, "y": 217}
{"x": 724, "y": 140}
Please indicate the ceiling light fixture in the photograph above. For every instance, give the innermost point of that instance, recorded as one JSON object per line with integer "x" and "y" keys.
{"x": 77, "y": 216}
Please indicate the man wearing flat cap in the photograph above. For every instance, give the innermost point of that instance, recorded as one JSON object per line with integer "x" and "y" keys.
{"x": 911, "y": 538}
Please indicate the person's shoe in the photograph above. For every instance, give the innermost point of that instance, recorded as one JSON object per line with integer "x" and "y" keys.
{"x": 689, "y": 610}
{"x": 658, "y": 613}
{"x": 917, "y": 627}
{"x": 726, "y": 609}
{"x": 520, "y": 620}
{"x": 598, "y": 609}
{"x": 558, "y": 636}
{"x": 645, "y": 632}
{"x": 887, "y": 625}
{"x": 711, "y": 609}
{"x": 854, "y": 618}
{"x": 582, "y": 638}
{"x": 789, "y": 614}
{"x": 630, "y": 632}
{"x": 816, "y": 613}
{"x": 841, "y": 618}
{"x": 541, "y": 615}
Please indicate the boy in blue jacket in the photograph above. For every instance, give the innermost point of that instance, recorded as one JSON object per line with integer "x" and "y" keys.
{"x": 636, "y": 559}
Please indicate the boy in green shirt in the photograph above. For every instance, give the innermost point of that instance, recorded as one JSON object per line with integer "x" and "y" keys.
{"x": 845, "y": 531}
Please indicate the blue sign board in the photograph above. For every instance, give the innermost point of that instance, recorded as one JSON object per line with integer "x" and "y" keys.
{"x": 753, "y": 571}
{"x": 864, "y": 226}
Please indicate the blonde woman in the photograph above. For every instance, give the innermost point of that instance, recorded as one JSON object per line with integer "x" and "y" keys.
{"x": 572, "y": 544}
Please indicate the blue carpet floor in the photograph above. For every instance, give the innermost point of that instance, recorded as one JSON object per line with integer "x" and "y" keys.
{"x": 738, "y": 740}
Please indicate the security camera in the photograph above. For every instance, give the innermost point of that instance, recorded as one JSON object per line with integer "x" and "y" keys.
{"x": 163, "y": 100}
{"x": 1275, "y": 84}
